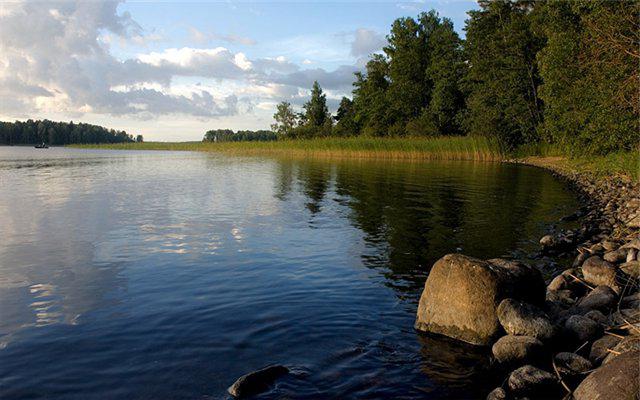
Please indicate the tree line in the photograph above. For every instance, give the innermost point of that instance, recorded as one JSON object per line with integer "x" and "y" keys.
{"x": 228, "y": 135}
{"x": 60, "y": 133}
{"x": 561, "y": 72}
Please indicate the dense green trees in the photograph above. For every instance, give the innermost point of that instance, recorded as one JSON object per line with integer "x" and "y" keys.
{"x": 589, "y": 68}
{"x": 227, "y": 135}
{"x": 563, "y": 72}
{"x": 58, "y": 133}
{"x": 502, "y": 78}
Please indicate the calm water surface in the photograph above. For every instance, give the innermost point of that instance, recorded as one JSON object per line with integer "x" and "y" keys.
{"x": 166, "y": 275}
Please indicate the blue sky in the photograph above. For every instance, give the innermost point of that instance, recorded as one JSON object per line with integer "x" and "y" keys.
{"x": 172, "y": 70}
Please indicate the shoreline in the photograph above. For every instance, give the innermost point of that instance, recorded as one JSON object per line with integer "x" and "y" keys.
{"x": 591, "y": 308}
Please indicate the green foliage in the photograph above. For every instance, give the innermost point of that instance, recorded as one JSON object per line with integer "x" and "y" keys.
{"x": 285, "y": 119}
{"x": 503, "y": 77}
{"x": 58, "y": 133}
{"x": 315, "y": 110}
{"x": 590, "y": 71}
{"x": 227, "y": 135}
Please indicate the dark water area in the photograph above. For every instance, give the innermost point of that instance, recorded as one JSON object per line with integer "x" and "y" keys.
{"x": 167, "y": 275}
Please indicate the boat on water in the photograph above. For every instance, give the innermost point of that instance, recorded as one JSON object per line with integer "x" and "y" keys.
{"x": 41, "y": 146}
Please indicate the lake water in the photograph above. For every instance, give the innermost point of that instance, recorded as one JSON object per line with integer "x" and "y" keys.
{"x": 167, "y": 275}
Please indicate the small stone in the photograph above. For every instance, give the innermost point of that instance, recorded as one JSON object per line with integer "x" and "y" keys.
{"x": 558, "y": 283}
{"x": 561, "y": 296}
{"x": 571, "y": 364}
{"x": 608, "y": 245}
{"x": 597, "y": 317}
{"x": 615, "y": 380}
{"x": 599, "y": 272}
{"x": 517, "y": 350}
{"x": 629, "y": 343}
{"x": 631, "y": 301}
{"x": 581, "y": 329}
{"x": 548, "y": 242}
{"x": 600, "y": 348}
{"x": 529, "y": 380}
{"x": 616, "y": 256}
{"x": 520, "y": 318}
{"x": 600, "y": 298}
{"x": 631, "y": 268}
{"x": 632, "y": 255}
{"x": 632, "y": 244}
{"x": 497, "y": 394}
{"x": 257, "y": 381}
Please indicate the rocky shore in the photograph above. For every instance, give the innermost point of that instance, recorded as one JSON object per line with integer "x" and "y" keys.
{"x": 575, "y": 334}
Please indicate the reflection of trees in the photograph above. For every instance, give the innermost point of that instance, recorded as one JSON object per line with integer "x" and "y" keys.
{"x": 413, "y": 213}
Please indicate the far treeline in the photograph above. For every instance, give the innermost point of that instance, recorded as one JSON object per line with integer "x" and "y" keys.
{"x": 60, "y": 133}
{"x": 559, "y": 72}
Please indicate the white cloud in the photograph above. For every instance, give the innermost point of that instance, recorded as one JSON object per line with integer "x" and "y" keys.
{"x": 60, "y": 63}
{"x": 366, "y": 42}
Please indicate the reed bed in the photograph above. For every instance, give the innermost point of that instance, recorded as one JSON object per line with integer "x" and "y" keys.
{"x": 442, "y": 148}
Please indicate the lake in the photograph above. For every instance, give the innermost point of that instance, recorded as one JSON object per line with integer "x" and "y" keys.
{"x": 167, "y": 275}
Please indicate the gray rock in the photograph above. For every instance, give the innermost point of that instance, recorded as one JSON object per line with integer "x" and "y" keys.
{"x": 597, "y": 317}
{"x": 529, "y": 380}
{"x": 257, "y": 381}
{"x": 616, "y": 256}
{"x": 599, "y": 272}
{"x": 600, "y": 348}
{"x": 617, "y": 379}
{"x": 608, "y": 245}
{"x": 631, "y": 301}
{"x": 580, "y": 329}
{"x": 632, "y": 244}
{"x": 520, "y": 318}
{"x": 629, "y": 343}
{"x": 497, "y": 394}
{"x": 517, "y": 350}
{"x": 571, "y": 364}
{"x": 461, "y": 295}
{"x": 631, "y": 268}
{"x": 600, "y": 298}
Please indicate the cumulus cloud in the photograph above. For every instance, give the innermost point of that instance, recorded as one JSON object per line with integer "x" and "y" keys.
{"x": 61, "y": 60}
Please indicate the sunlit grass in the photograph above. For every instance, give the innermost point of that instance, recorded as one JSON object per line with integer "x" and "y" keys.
{"x": 443, "y": 148}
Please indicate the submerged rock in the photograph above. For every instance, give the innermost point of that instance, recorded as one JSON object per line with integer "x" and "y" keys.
{"x": 519, "y": 318}
{"x": 517, "y": 350}
{"x": 617, "y": 379}
{"x": 462, "y": 293}
{"x": 257, "y": 381}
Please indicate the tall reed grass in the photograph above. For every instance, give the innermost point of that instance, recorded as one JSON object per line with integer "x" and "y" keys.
{"x": 441, "y": 148}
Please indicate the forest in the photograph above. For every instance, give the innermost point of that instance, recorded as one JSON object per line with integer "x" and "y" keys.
{"x": 558, "y": 72}
{"x": 228, "y": 135}
{"x": 60, "y": 133}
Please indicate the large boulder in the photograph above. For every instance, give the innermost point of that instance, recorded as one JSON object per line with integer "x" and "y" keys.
{"x": 520, "y": 318}
{"x": 599, "y": 272}
{"x": 617, "y": 379}
{"x": 461, "y": 295}
{"x": 517, "y": 350}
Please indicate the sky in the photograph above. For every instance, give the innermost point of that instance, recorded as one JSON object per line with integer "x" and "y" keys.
{"x": 173, "y": 70}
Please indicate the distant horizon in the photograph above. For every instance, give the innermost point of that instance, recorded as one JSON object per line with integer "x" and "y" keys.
{"x": 171, "y": 71}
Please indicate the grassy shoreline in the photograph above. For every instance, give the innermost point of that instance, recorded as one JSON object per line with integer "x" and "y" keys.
{"x": 441, "y": 148}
